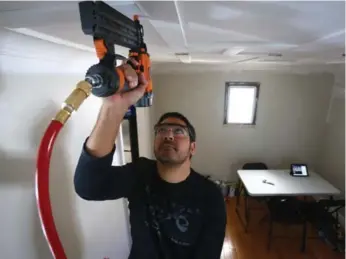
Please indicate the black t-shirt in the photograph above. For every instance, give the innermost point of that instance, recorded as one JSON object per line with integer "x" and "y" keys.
{"x": 183, "y": 220}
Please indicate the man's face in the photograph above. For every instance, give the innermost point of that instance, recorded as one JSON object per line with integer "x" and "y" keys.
{"x": 172, "y": 142}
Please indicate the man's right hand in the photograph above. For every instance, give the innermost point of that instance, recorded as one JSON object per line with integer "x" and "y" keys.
{"x": 137, "y": 84}
{"x": 103, "y": 136}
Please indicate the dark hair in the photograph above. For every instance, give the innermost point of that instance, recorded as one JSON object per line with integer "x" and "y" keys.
{"x": 190, "y": 128}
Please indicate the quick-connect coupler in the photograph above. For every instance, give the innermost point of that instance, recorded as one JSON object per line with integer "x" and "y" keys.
{"x": 73, "y": 101}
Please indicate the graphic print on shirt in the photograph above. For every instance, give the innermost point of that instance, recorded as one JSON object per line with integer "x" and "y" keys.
{"x": 179, "y": 223}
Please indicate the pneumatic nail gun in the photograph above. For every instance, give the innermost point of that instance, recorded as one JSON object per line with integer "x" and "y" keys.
{"x": 108, "y": 28}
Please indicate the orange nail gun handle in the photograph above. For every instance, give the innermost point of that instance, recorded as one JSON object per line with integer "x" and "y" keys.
{"x": 142, "y": 57}
{"x": 106, "y": 79}
{"x": 144, "y": 66}
{"x": 101, "y": 51}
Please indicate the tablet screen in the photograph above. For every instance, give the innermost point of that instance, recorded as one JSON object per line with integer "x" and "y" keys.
{"x": 299, "y": 170}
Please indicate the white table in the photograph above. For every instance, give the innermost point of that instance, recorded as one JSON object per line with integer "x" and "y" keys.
{"x": 284, "y": 184}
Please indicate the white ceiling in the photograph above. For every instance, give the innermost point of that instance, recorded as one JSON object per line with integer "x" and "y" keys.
{"x": 224, "y": 35}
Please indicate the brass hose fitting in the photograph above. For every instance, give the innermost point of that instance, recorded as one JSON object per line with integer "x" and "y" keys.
{"x": 74, "y": 101}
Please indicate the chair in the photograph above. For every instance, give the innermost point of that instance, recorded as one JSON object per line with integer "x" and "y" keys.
{"x": 286, "y": 211}
{"x": 241, "y": 188}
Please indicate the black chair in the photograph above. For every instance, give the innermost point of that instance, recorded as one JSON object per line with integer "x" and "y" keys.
{"x": 240, "y": 188}
{"x": 288, "y": 211}
{"x": 255, "y": 166}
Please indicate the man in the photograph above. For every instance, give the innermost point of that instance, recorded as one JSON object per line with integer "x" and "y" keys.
{"x": 175, "y": 213}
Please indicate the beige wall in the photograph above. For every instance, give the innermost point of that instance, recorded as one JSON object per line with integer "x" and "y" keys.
{"x": 87, "y": 230}
{"x": 145, "y": 129}
{"x": 290, "y": 126}
{"x": 333, "y": 152}
{"x": 333, "y": 155}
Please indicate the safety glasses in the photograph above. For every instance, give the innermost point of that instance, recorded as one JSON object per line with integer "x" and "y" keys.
{"x": 178, "y": 131}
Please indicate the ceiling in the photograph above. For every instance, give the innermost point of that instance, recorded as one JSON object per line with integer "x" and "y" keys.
{"x": 222, "y": 35}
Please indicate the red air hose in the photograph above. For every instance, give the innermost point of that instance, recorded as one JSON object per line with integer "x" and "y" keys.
{"x": 42, "y": 189}
{"x": 71, "y": 104}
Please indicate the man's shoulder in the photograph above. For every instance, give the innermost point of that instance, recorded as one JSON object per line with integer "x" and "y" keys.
{"x": 145, "y": 160}
{"x": 209, "y": 187}
{"x": 210, "y": 194}
{"x": 144, "y": 166}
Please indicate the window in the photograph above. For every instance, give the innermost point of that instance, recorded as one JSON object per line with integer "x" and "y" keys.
{"x": 241, "y": 103}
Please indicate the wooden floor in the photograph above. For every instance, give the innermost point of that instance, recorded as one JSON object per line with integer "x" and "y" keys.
{"x": 253, "y": 245}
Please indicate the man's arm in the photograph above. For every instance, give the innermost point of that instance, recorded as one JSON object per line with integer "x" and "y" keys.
{"x": 211, "y": 240}
{"x": 102, "y": 138}
{"x": 113, "y": 110}
{"x": 95, "y": 177}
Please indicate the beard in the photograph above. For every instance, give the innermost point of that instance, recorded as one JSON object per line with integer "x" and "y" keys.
{"x": 167, "y": 154}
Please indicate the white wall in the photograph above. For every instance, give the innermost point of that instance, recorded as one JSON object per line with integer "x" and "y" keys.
{"x": 88, "y": 230}
{"x": 145, "y": 131}
{"x": 290, "y": 126}
{"x": 333, "y": 155}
